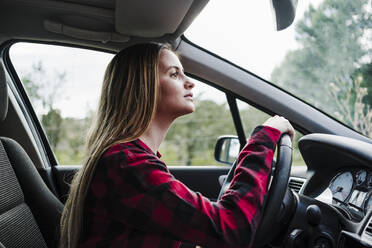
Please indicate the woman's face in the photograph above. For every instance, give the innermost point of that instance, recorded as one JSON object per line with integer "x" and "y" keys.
{"x": 176, "y": 97}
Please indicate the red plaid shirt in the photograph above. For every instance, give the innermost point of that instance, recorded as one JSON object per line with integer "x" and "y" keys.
{"x": 134, "y": 201}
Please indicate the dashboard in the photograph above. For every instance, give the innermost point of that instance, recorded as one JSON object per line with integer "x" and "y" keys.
{"x": 351, "y": 191}
{"x": 334, "y": 207}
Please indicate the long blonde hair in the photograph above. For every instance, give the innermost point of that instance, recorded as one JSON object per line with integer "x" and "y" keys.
{"x": 126, "y": 108}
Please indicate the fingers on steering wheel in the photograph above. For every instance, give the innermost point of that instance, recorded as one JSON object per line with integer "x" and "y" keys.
{"x": 291, "y": 131}
{"x": 290, "y": 128}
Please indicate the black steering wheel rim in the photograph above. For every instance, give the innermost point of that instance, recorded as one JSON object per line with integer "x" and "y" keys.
{"x": 267, "y": 230}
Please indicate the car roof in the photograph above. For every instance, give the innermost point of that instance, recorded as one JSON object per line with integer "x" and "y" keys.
{"x": 101, "y": 24}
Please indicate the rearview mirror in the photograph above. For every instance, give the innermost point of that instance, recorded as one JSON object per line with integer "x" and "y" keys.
{"x": 227, "y": 149}
{"x": 284, "y": 12}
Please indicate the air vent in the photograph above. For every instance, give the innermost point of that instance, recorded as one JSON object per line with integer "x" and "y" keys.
{"x": 295, "y": 183}
{"x": 368, "y": 230}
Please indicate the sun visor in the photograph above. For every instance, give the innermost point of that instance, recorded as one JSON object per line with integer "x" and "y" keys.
{"x": 136, "y": 18}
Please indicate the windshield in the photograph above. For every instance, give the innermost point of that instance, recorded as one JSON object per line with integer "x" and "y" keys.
{"x": 324, "y": 57}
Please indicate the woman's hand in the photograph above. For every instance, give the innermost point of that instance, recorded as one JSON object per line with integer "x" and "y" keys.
{"x": 282, "y": 124}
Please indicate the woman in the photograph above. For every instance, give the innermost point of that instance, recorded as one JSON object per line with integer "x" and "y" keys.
{"x": 124, "y": 195}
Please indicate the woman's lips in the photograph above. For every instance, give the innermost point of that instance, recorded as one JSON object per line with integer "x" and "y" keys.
{"x": 189, "y": 96}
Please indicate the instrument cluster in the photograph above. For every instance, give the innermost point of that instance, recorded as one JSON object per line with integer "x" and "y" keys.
{"x": 352, "y": 190}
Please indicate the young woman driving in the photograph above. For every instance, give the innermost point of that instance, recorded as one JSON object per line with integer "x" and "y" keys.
{"x": 125, "y": 196}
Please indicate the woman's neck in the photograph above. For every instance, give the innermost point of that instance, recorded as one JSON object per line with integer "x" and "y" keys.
{"x": 155, "y": 133}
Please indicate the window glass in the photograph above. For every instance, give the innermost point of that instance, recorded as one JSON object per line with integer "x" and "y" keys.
{"x": 252, "y": 117}
{"x": 64, "y": 83}
{"x": 324, "y": 57}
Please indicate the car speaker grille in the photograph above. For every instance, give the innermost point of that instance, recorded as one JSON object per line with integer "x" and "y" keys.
{"x": 296, "y": 183}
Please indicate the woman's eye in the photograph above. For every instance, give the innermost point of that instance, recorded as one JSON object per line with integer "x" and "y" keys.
{"x": 174, "y": 75}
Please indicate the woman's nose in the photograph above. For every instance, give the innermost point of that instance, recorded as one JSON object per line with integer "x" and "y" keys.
{"x": 189, "y": 84}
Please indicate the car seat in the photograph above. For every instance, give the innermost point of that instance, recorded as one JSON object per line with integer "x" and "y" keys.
{"x": 29, "y": 211}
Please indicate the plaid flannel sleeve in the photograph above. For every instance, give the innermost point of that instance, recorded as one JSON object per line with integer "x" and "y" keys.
{"x": 148, "y": 198}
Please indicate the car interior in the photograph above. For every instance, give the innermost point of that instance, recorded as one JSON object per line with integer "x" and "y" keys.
{"x": 325, "y": 203}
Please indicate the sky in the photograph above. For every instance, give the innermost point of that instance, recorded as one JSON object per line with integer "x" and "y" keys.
{"x": 84, "y": 73}
{"x": 227, "y": 28}
{"x": 246, "y": 33}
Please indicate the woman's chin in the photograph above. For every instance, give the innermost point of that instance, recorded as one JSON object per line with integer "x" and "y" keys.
{"x": 190, "y": 109}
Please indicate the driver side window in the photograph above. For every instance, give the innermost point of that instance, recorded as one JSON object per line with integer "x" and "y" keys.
{"x": 63, "y": 85}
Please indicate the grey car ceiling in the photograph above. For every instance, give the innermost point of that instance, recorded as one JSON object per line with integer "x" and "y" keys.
{"x": 101, "y": 24}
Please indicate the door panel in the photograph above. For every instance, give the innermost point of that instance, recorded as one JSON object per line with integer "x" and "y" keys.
{"x": 203, "y": 179}
{"x": 63, "y": 175}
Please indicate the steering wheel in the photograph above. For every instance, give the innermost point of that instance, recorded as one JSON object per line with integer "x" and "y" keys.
{"x": 266, "y": 231}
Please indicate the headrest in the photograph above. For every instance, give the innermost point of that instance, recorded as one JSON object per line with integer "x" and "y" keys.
{"x": 3, "y": 94}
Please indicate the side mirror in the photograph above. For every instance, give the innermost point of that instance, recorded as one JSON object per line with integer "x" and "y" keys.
{"x": 284, "y": 12}
{"x": 227, "y": 149}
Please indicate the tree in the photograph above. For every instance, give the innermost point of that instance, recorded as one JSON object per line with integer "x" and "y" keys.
{"x": 71, "y": 149}
{"x": 353, "y": 104}
{"x": 66, "y": 135}
{"x": 334, "y": 42}
{"x": 51, "y": 122}
{"x": 251, "y": 117}
{"x": 32, "y": 88}
{"x": 191, "y": 138}
{"x": 42, "y": 90}
{"x": 365, "y": 72}
{"x": 42, "y": 87}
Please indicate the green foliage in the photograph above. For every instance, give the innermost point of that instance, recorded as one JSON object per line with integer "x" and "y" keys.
{"x": 71, "y": 149}
{"x": 42, "y": 93}
{"x": 51, "y": 122}
{"x": 365, "y": 72}
{"x": 333, "y": 44}
{"x": 191, "y": 138}
{"x": 355, "y": 112}
{"x": 66, "y": 135}
{"x": 251, "y": 118}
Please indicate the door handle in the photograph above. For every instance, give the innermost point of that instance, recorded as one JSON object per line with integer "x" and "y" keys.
{"x": 222, "y": 179}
